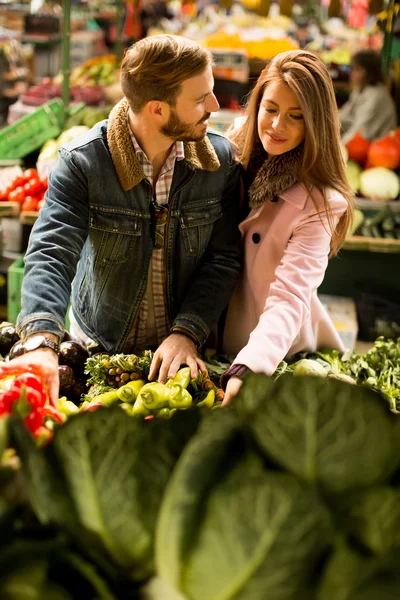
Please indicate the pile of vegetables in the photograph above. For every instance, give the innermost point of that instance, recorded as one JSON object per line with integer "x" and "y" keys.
{"x": 377, "y": 369}
{"x": 290, "y": 493}
{"x": 27, "y": 188}
{"x": 90, "y": 379}
{"x": 372, "y": 166}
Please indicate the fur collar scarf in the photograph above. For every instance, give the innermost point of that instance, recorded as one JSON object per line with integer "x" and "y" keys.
{"x": 200, "y": 155}
{"x": 274, "y": 176}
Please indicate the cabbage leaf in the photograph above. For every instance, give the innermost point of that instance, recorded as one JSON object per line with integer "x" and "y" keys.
{"x": 230, "y": 529}
{"x": 338, "y": 435}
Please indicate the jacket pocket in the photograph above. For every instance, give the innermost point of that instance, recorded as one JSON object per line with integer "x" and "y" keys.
{"x": 114, "y": 236}
{"x": 197, "y": 221}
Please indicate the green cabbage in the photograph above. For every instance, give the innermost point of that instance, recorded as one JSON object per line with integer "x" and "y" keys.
{"x": 307, "y": 366}
{"x": 353, "y": 171}
{"x": 379, "y": 184}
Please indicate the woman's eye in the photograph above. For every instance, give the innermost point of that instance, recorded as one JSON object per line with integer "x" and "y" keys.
{"x": 297, "y": 117}
{"x": 270, "y": 110}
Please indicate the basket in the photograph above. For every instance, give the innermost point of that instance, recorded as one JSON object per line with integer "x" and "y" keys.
{"x": 31, "y": 131}
{"x": 15, "y": 275}
{"x": 377, "y": 316}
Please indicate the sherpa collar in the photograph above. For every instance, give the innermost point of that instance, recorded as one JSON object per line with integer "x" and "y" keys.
{"x": 275, "y": 176}
{"x": 201, "y": 155}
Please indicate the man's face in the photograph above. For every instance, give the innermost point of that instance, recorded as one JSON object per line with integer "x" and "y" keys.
{"x": 188, "y": 119}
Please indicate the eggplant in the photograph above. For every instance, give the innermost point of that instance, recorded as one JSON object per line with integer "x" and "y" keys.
{"x": 16, "y": 350}
{"x": 67, "y": 379}
{"x": 76, "y": 392}
{"x": 73, "y": 355}
{"x": 8, "y": 337}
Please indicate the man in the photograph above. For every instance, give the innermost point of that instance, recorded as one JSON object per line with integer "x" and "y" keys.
{"x": 141, "y": 217}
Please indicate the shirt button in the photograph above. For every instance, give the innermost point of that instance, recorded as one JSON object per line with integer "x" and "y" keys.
{"x": 256, "y": 237}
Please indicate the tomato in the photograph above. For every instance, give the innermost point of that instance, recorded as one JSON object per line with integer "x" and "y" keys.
{"x": 3, "y": 195}
{"x": 18, "y": 181}
{"x": 30, "y": 173}
{"x": 33, "y": 187}
{"x": 34, "y": 419}
{"x": 30, "y": 203}
{"x": 31, "y": 381}
{"x": 17, "y": 195}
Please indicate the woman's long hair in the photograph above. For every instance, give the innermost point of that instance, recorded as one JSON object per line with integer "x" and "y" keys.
{"x": 322, "y": 162}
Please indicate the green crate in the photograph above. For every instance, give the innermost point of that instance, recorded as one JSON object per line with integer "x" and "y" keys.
{"x": 15, "y": 275}
{"x": 30, "y": 132}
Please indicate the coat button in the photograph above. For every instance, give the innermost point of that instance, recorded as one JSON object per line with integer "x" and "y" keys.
{"x": 256, "y": 237}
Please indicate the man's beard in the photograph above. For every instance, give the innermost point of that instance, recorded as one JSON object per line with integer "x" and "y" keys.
{"x": 179, "y": 130}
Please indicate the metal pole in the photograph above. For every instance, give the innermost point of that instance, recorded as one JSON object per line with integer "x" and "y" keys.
{"x": 66, "y": 39}
{"x": 118, "y": 50}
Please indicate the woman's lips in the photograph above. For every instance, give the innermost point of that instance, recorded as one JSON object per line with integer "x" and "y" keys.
{"x": 275, "y": 139}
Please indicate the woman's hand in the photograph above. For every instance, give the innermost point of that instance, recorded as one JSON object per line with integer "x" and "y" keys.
{"x": 232, "y": 388}
{"x": 42, "y": 362}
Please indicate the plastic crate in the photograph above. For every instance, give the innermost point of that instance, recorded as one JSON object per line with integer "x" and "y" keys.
{"x": 15, "y": 275}
{"x": 31, "y": 131}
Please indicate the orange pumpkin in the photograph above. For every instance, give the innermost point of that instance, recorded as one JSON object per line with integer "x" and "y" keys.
{"x": 384, "y": 152}
{"x": 358, "y": 148}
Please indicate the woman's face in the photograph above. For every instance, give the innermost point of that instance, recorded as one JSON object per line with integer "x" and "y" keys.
{"x": 280, "y": 119}
{"x": 358, "y": 76}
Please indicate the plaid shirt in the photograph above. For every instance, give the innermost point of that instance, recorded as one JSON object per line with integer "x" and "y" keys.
{"x": 151, "y": 324}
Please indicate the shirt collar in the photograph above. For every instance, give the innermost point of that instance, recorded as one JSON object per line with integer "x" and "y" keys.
{"x": 177, "y": 150}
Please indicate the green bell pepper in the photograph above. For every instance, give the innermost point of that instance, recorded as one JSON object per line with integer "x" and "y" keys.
{"x": 130, "y": 391}
{"x": 181, "y": 378}
{"x": 182, "y": 400}
{"x": 139, "y": 409}
{"x": 157, "y": 395}
{"x": 208, "y": 400}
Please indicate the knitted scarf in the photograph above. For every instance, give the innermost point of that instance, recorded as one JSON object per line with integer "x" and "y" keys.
{"x": 276, "y": 174}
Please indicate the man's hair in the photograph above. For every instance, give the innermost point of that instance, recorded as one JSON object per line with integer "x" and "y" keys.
{"x": 371, "y": 62}
{"x": 155, "y": 67}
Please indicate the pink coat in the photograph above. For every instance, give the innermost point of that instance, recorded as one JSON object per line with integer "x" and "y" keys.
{"x": 275, "y": 311}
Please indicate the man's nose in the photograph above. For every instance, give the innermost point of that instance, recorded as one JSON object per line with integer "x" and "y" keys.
{"x": 212, "y": 103}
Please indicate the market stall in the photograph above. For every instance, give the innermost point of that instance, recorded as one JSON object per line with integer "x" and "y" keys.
{"x": 125, "y": 488}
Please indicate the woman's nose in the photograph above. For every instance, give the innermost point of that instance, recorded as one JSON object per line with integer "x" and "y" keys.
{"x": 278, "y": 122}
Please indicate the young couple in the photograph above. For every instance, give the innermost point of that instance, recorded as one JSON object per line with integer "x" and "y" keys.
{"x": 141, "y": 229}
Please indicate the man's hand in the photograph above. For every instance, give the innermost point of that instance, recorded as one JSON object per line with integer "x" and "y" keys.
{"x": 42, "y": 362}
{"x": 176, "y": 350}
{"x": 232, "y": 388}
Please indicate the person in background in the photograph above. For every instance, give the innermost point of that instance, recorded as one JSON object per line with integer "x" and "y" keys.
{"x": 300, "y": 209}
{"x": 370, "y": 109}
{"x": 152, "y": 14}
{"x": 141, "y": 217}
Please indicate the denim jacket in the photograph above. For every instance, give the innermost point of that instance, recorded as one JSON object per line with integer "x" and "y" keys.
{"x": 95, "y": 233}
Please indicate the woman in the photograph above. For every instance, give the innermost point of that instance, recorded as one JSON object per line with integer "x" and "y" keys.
{"x": 301, "y": 207}
{"x": 370, "y": 108}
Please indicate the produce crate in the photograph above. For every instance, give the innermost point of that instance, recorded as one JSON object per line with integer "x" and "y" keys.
{"x": 15, "y": 276}
{"x": 32, "y": 131}
{"x": 14, "y": 284}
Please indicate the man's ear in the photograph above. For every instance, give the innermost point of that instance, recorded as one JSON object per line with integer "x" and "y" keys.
{"x": 157, "y": 109}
